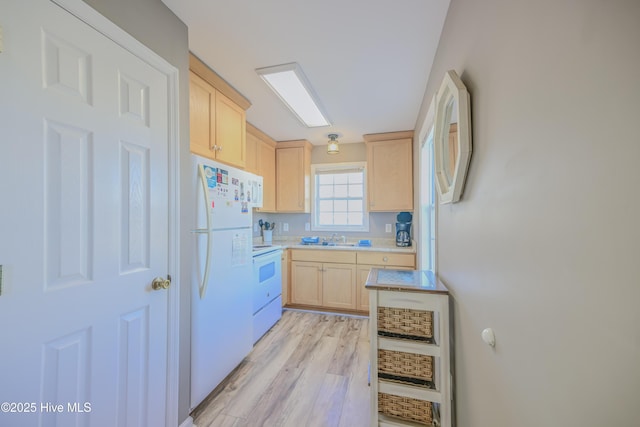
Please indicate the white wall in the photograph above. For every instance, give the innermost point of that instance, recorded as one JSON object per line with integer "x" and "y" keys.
{"x": 545, "y": 244}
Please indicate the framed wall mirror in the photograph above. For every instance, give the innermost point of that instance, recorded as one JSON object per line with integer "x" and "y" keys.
{"x": 452, "y": 137}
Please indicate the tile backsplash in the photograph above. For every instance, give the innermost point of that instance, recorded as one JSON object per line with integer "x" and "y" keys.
{"x": 296, "y": 225}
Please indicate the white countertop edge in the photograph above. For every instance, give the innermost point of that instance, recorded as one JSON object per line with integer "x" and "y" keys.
{"x": 405, "y": 250}
{"x": 378, "y": 245}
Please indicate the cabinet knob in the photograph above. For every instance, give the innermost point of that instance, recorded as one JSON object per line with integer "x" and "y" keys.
{"x": 385, "y": 259}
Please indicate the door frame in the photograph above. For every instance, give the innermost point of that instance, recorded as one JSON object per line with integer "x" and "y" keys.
{"x": 100, "y": 23}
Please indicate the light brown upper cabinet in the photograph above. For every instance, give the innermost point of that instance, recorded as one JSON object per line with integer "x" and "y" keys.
{"x": 261, "y": 160}
{"x": 390, "y": 171}
{"x": 293, "y": 176}
{"x": 217, "y": 116}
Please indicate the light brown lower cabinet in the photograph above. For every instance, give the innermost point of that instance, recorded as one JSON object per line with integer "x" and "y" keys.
{"x": 323, "y": 284}
{"x": 335, "y": 279}
{"x": 338, "y": 286}
{"x": 306, "y": 283}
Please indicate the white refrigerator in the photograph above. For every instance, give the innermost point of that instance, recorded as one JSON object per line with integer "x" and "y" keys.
{"x": 221, "y": 303}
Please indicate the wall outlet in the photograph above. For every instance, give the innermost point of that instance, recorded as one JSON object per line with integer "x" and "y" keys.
{"x": 255, "y": 228}
{"x": 285, "y": 226}
{"x": 307, "y": 226}
{"x": 387, "y": 228}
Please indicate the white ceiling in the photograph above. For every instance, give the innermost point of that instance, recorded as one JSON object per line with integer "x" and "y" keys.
{"x": 367, "y": 60}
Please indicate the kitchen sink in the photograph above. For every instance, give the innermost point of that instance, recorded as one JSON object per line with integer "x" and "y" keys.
{"x": 331, "y": 244}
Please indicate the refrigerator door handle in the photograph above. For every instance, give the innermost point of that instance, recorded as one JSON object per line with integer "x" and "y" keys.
{"x": 207, "y": 203}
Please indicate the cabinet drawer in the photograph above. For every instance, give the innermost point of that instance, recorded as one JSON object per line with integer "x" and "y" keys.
{"x": 387, "y": 258}
{"x": 341, "y": 257}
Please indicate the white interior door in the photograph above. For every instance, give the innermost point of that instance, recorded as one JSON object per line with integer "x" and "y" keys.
{"x": 84, "y": 225}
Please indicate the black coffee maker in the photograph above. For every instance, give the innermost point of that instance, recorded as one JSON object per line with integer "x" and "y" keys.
{"x": 403, "y": 229}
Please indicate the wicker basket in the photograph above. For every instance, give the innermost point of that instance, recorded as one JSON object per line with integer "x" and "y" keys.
{"x": 406, "y": 408}
{"x": 405, "y": 323}
{"x": 408, "y": 368}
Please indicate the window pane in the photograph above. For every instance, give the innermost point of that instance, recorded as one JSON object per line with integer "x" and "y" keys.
{"x": 326, "y": 218}
{"x": 325, "y": 179}
{"x": 355, "y": 190}
{"x": 340, "y": 219}
{"x": 355, "y": 206}
{"x": 356, "y": 178}
{"x": 341, "y": 191}
{"x": 341, "y": 178}
{"x": 325, "y": 191}
{"x": 340, "y": 205}
{"x": 355, "y": 218}
{"x": 326, "y": 206}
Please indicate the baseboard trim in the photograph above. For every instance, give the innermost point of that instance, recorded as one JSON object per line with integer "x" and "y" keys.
{"x": 188, "y": 423}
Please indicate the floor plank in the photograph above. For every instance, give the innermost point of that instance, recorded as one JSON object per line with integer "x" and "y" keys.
{"x": 310, "y": 369}
{"x": 327, "y": 408}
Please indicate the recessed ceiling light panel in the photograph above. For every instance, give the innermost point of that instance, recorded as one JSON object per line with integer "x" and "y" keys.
{"x": 292, "y": 87}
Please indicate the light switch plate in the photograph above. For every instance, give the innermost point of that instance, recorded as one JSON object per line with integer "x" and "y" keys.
{"x": 285, "y": 226}
{"x": 307, "y": 226}
{"x": 387, "y": 228}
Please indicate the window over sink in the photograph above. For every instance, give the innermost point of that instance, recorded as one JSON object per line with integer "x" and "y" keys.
{"x": 339, "y": 197}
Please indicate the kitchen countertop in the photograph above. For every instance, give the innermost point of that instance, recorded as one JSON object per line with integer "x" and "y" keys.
{"x": 377, "y": 245}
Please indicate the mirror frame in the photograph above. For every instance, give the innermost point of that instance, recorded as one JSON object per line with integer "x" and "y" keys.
{"x": 452, "y": 89}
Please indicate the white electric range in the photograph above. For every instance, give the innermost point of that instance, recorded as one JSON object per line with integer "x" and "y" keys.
{"x": 267, "y": 288}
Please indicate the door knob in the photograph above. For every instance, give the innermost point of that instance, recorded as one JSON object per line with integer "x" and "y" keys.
{"x": 160, "y": 283}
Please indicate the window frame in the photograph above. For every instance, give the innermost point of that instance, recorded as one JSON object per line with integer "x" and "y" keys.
{"x": 337, "y": 167}
{"x": 427, "y": 196}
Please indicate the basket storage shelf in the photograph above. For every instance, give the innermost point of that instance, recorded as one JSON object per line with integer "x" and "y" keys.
{"x": 405, "y": 408}
{"x": 410, "y": 356}
{"x": 405, "y": 368}
{"x": 405, "y": 323}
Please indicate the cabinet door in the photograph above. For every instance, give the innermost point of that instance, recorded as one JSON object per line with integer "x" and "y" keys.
{"x": 251, "y": 161}
{"x": 306, "y": 283}
{"x": 338, "y": 286}
{"x": 390, "y": 175}
{"x": 230, "y": 133}
{"x": 290, "y": 179}
{"x": 266, "y": 168}
{"x": 362, "y": 294}
{"x": 201, "y": 116}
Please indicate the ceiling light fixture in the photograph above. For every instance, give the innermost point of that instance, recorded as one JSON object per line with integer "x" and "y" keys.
{"x": 292, "y": 87}
{"x": 333, "y": 148}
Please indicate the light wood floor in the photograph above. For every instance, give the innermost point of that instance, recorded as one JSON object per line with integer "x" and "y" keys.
{"x": 310, "y": 369}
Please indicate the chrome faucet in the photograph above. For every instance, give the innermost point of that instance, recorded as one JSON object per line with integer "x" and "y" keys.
{"x": 333, "y": 240}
